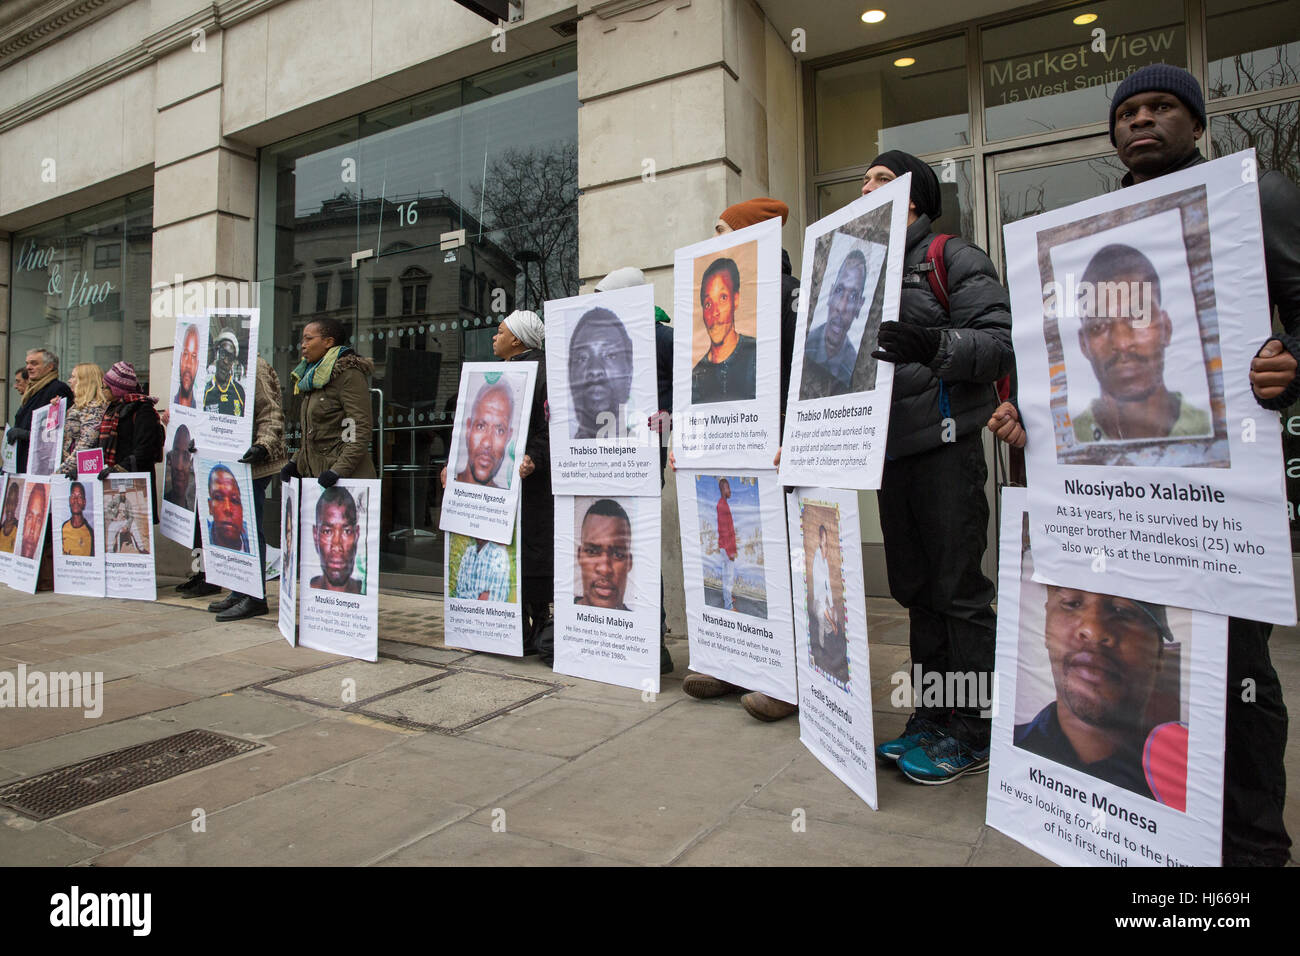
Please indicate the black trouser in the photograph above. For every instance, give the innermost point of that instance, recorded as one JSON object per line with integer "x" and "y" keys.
{"x": 934, "y": 517}
{"x": 536, "y": 600}
{"x": 1254, "y": 776}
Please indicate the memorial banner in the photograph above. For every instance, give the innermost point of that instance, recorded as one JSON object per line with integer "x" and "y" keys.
{"x": 45, "y": 449}
{"x": 179, "y": 501}
{"x": 75, "y": 507}
{"x": 837, "y": 417}
{"x": 1153, "y": 472}
{"x": 727, "y": 349}
{"x": 127, "y": 533}
{"x": 338, "y": 608}
{"x": 737, "y": 585}
{"x": 228, "y": 525}
{"x": 1108, "y": 728}
{"x": 493, "y": 407}
{"x": 30, "y": 544}
{"x": 607, "y": 590}
{"x": 601, "y": 386}
{"x": 483, "y": 609}
{"x": 289, "y": 563}
{"x": 225, "y": 419}
{"x": 10, "y": 517}
{"x": 830, "y": 633}
{"x": 9, "y": 454}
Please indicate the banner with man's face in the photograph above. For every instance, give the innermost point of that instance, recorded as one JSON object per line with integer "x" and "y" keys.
{"x": 727, "y": 348}
{"x": 29, "y": 542}
{"x": 607, "y": 589}
{"x": 75, "y": 507}
{"x": 493, "y": 409}
{"x": 1154, "y": 474}
{"x": 837, "y": 413}
{"x": 1108, "y": 721}
{"x": 224, "y": 385}
{"x": 45, "y": 450}
{"x": 10, "y": 519}
{"x": 126, "y": 528}
{"x": 601, "y": 386}
{"x": 338, "y": 561}
{"x": 481, "y": 586}
{"x": 180, "y": 488}
{"x": 289, "y": 560}
{"x": 228, "y": 525}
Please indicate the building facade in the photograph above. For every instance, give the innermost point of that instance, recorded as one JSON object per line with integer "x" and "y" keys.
{"x": 418, "y": 171}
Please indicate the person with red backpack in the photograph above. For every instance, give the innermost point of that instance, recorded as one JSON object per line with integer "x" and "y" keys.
{"x": 950, "y": 345}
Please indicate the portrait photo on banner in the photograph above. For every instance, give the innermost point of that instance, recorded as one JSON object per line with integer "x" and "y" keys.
{"x": 482, "y": 570}
{"x": 338, "y": 532}
{"x": 603, "y": 571}
{"x": 76, "y": 532}
{"x": 731, "y": 544}
{"x": 229, "y": 509}
{"x": 9, "y": 513}
{"x": 490, "y": 438}
{"x": 178, "y": 467}
{"x": 126, "y": 516}
{"x": 823, "y": 563}
{"x": 186, "y": 362}
{"x": 724, "y": 326}
{"x": 230, "y": 372}
{"x": 35, "y": 508}
{"x": 45, "y": 452}
{"x": 1103, "y": 685}
{"x": 845, "y": 305}
{"x": 1133, "y": 336}
{"x": 288, "y": 546}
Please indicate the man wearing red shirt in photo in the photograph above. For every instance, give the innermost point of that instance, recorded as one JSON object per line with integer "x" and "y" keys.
{"x": 726, "y": 543}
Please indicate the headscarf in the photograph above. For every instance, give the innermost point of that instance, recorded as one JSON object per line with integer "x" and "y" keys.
{"x": 925, "y": 184}
{"x": 624, "y": 278}
{"x": 527, "y": 328}
{"x": 753, "y": 211}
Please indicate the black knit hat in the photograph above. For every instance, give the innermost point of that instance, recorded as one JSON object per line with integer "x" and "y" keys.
{"x": 1163, "y": 78}
{"x": 925, "y": 184}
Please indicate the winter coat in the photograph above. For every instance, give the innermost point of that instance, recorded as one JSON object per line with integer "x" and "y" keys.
{"x": 140, "y": 441}
{"x": 322, "y": 417}
{"x": 80, "y": 433}
{"x": 537, "y": 522}
{"x": 268, "y": 420}
{"x": 974, "y": 351}
{"x": 23, "y": 419}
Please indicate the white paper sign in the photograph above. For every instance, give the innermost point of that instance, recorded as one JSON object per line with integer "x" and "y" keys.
{"x": 727, "y": 349}
{"x": 45, "y": 448}
{"x": 228, "y": 376}
{"x": 127, "y": 533}
{"x": 601, "y": 385}
{"x": 737, "y": 585}
{"x": 607, "y": 590}
{"x": 493, "y": 408}
{"x": 338, "y": 608}
{"x": 1107, "y": 746}
{"x": 837, "y": 416}
{"x": 289, "y": 563}
{"x": 29, "y": 545}
{"x": 9, "y": 453}
{"x": 1153, "y": 472}
{"x": 75, "y": 507}
{"x": 482, "y": 607}
{"x": 228, "y": 525}
{"x": 830, "y": 632}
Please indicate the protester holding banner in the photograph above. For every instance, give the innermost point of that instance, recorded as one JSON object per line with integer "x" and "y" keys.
{"x": 335, "y": 416}
{"x": 130, "y": 433}
{"x": 81, "y": 429}
{"x": 933, "y": 512}
{"x": 266, "y": 456}
{"x": 43, "y": 387}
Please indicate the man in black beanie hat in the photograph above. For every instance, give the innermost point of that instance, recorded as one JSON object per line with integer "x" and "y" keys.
{"x": 933, "y": 512}
{"x": 1156, "y": 117}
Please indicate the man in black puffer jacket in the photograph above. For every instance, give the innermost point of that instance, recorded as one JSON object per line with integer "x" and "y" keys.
{"x": 933, "y": 512}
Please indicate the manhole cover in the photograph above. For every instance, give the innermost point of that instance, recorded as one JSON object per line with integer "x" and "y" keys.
{"x": 70, "y": 788}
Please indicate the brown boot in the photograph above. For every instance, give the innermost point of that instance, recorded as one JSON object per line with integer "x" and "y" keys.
{"x": 762, "y": 707}
{"x": 702, "y": 687}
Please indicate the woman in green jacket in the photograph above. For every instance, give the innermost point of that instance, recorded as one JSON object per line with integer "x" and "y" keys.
{"x": 335, "y": 416}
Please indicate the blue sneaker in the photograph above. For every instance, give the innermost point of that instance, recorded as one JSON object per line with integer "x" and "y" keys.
{"x": 943, "y": 761}
{"x": 919, "y": 732}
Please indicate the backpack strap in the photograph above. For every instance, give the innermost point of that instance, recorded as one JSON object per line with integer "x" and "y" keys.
{"x": 937, "y": 271}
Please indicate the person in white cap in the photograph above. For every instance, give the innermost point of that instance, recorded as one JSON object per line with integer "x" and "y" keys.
{"x": 224, "y": 395}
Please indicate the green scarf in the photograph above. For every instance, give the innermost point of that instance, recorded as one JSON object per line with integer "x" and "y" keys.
{"x": 307, "y": 377}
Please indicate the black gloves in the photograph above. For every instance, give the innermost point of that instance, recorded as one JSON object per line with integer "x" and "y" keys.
{"x": 900, "y": 342}
{"x": 18, "y": 434}
{"x": 192, "y": 450}
{"x": 289, "y": 471}
{"x": 328, "y": 479}
{"x": 255, "y": 455}
{"x": 105, "y": 473}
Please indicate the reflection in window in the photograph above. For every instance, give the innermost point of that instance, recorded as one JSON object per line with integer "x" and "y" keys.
{"x": 322, "y": 294}
{"x": 380, "y": 297}
{"x": 1252, "y": 45}
{"x": 1273, "y": 131}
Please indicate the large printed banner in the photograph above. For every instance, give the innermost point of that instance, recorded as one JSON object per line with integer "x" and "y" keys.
{"x": 9, "y": 454}
{"x": 127, "y": 533}
{"x": 45, "y": 448}
{"x": 228, "y": 524}
{"x": 1153, "y": 472}
{"x": 75, "y": 507}
{"x": 222, "y": 390}
{"x": 179, "y": 491}
{"x": 34, "y": 509}
{"x": 837, "y": 417}
{"x": 1107, "y": 745}
{"x": 338, "y": 559}
{"x": 830, "y": 633}
{"x": 288, "y": 610}
{"x": 482, "y": 609}
{"x": 493, "y": 407}
{"x": 737, "y": 583}
{"x": 727, "y": 348}
{"x": 607, "y": 589}
{"x": 9, "y": 518}
{"x": 600, "y": 377}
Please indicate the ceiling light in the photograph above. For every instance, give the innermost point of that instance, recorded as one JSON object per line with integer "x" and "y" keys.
{"x": 904, "y": 61}
{"x": 873, "y": 16}
{"x": 1084, "y": 19}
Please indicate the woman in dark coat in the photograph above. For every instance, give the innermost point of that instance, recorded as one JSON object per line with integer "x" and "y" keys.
{"x": 130, "y": 433}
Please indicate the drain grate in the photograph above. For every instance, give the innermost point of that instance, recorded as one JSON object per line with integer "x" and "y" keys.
{"x": 70, "y": 788}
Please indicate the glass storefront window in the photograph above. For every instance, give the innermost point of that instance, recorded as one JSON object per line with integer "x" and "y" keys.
{"x": 956, "y": 191}
{"x": 1273, "y": 131}
{"x": 80, "y": 287}
{"x": 1252, "y": 45}
{"x": 913, "y": 99}
{"x": 1060, "y": 70}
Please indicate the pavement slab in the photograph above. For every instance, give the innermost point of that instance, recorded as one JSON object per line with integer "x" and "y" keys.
{"x": 349, "y": 682}
{"x": 455, "y": 702}
{"x": 471, "y": 844}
